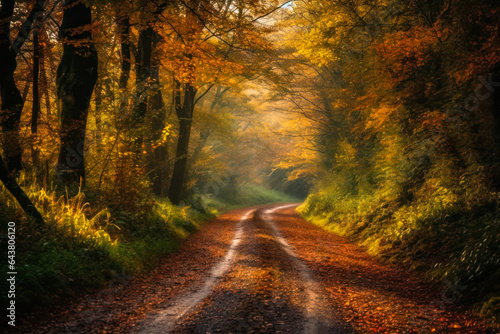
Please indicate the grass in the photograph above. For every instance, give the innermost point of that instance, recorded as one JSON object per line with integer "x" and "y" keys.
{"x": 246, "y": 195}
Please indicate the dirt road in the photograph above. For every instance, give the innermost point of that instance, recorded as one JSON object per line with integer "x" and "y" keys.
{"x": 264, "y": 270}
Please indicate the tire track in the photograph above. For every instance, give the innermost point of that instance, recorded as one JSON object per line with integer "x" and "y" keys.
{"x": 316, "y": 303}
{"x": 165, "y": 320}
{"x": 261, "y": 293}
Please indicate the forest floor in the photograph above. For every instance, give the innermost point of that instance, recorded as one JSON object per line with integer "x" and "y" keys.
{"x": 262, "y": 270}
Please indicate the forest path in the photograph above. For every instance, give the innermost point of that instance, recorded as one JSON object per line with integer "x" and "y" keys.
{"x": 264, "y": 270}
{"x": 260, "y": 286}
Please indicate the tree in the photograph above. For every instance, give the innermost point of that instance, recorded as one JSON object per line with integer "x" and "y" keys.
{"x": 12, "y": 101}
{"x": 212, "y": 47}
{"x": 10, "y": 183}
{"x": 184, "y": 113}
{"x": 76, "y": 77}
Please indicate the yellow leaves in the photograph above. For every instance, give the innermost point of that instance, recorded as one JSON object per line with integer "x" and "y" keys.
{"x": 163, "y": 137}
{"x": 330, "y": 31}
{"x": 298, "y": 154}
{"x": 346, "y": 155}
{"x": 303, "y": 161}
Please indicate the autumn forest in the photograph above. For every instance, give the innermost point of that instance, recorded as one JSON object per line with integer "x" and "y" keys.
{"x": 127, "y": 127}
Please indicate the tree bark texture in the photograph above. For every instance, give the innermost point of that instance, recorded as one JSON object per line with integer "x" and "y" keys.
{"x": 185, "y": 115}
{"x": 75, "y": 79}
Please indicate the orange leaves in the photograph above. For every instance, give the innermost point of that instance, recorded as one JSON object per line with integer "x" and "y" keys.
{"x": 379, "y": 117}
{"x": 433, "y": 120}
{"x": 406, "y": 51}
{"x": 195, "y": 53}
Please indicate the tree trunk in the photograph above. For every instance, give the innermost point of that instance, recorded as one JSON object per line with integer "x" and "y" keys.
{"x": 157, "y": 166}
{"x": 75, "y": 79}
{"x": 123, "y": 24}
{"x": 12, "y": 101}
{"x": 205, "y": 132}
{"x": 97, "y": 114}
{"x": 149, "y": 100}
{"x": 185, "y": 116}
{"x": 143, "y": 73}
{"x": 123, "y": 27}
{"x": 43, "y": 74}
{"x": 20, "y": 196}
{"x": 36, "y": 96}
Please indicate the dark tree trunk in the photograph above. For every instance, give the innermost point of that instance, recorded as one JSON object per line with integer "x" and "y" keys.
{"x": 36, "y": 95}
{"x": 149, "y": 100}
{"x": 185, "y": 116}
{"x": 123, "y": 24}
{"x": 143, "y": 73}
{"x": 76, "y": 78}
{"x": 12, "y": 101}
{"x": 142, "y": 82}
{"x": 20, "y": 196}
{"x": 43, "y": 73}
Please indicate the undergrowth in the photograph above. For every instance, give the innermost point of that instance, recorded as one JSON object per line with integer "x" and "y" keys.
{"x": 87, "y": 240}
{"x": 451, "y": 234}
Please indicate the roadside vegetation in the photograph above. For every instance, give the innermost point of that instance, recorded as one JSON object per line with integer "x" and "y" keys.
{"x": 87, "y": 240}
{"x": 449, "y": 238}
